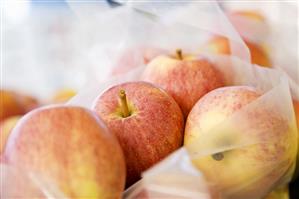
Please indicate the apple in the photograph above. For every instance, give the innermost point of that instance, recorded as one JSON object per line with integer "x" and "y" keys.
{"x": 184, "y": 77}
{"x": 15, "y": 104}
{"x": 146, "y": 120}
{"x": 220, "y": 45}
{"x": 71, "y": 147}
{"x": 244, "y": 155}
{"x": 63, "y": 96}
{"x": 6, "y": 127}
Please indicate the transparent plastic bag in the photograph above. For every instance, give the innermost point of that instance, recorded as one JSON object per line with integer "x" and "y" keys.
{"x": 277, "y": 35}
{"x": 16, "y": 183}
{"x": 152, "y": 21}
{"x": 244, "y": 133}
{"x": 270, "y": 83}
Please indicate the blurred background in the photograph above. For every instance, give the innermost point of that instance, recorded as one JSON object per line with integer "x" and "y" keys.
{"x": 45, "y": 44}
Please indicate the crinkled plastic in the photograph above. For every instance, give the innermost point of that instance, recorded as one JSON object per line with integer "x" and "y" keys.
{"x": 275, "y": 100}
{"x": 160, "y": 26}
{"x": 278, "y": 35}
{"x": 244, "y": 133}
{"x": 15, "y": 183}
{"x": 175, "y": 177}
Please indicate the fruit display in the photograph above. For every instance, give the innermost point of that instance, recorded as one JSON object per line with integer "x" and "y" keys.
{"x": 162, "y": 107}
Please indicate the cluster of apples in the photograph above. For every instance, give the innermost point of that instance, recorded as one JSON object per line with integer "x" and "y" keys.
{"x": 98, "y": 152}
{"x": 133, "y": 125}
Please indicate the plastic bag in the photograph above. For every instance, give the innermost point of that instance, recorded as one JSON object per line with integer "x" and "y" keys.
{"x": 277, "y": 35}
{"x": 151, "y": 21}
{"x": 267, "y": 175}
{"x": 272, "y": 84}
{"x": 15, "y": 183}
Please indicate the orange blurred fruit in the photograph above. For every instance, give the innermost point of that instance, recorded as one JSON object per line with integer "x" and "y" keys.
{"x": 220, "y": 45}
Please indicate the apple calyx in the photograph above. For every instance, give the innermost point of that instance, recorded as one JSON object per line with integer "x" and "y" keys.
{"x": 124, "y": 104}
{"x": 218, "y": 156}
{"x": 179, "y": 54}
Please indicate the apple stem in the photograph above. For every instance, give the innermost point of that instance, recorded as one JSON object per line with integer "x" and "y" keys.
{"x": 123, "y": 103}
{"x": 179, "y": 54}
{"x": 218, "y": 156}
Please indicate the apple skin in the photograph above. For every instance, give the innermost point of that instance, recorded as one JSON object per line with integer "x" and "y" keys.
{"x": 186, "y": 80}
{"x": 243, "y": 170}
{"x": 220, "y": 45}
{"x": 6, "y": 127}
{"x": 13, "y": 103}
{"x": 152, "y": 131}
{"x": 72, "y": 147}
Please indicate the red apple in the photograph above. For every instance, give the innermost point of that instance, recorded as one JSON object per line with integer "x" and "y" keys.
{"x": 185, "y": 78}
{"x": 251, "y": 153}
{"x": 146, "y": 120}
{"x": 71, "y": 147}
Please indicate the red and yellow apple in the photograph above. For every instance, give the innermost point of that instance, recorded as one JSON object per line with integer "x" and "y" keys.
{"x": 243, "y": 152}
{"x": 146, "y": 120}
{"x": 6, "y": 127}
{"x": 184, "y": 77}
{"x": 220, "y": 45}
{"x": 71, "y": 147}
